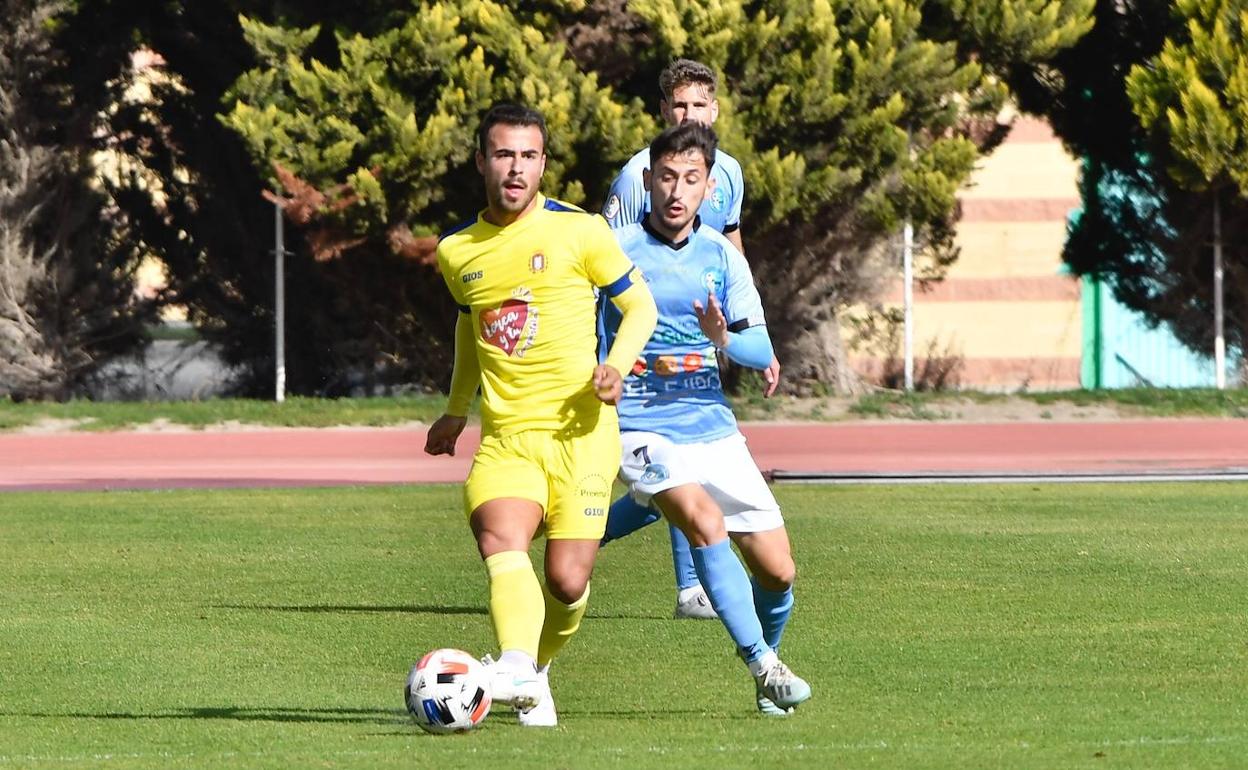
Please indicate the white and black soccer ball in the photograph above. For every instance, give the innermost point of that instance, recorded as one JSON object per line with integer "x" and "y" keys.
{"x": 448, "y": 691}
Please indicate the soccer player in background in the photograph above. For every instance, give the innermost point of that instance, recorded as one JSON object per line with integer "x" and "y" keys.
{"x": 688, "y": 94}
{"x": 524, "y": 274}
{"x": 681, "y": 446}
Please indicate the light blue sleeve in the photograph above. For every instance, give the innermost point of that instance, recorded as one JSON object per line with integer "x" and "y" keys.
{"x": 750, "y": 347}
{"x": 737, "y": 182}
{"x": 626, "y": 201}
{"x": 742, "y": 306}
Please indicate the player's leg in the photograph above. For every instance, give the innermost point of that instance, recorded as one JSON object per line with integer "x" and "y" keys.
{"x": 505, "y": 494}
{"x": 579, "y": 472}
{"x": 769, "y": 558}
{"x": 754, "y": 522}
{"x": 691, "y": 599}
{"x": 636, "y": 465}
{"x": 626, "y": 516}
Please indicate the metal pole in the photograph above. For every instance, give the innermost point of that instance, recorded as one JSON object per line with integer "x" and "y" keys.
{"x": 279, "y": 305}
{"x": 907, "y": 263}
{"x": 1219, "y": 341}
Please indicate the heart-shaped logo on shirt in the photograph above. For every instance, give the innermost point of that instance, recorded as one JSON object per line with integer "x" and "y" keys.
{"x": 503, "y": 326}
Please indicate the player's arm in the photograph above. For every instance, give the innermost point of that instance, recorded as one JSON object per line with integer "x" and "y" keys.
{"x": 744, "y": 343}
{"x": 465, "y": 379}
{"x": 626, "y": 200}
{"x": 622, "y": 283}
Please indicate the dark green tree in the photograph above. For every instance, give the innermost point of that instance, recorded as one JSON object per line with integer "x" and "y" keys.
{"x": 67, "y": 257}
{"x": 1139, "y": 229}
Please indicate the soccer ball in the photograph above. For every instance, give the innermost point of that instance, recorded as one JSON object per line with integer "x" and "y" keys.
{"x": 448, "y": 691}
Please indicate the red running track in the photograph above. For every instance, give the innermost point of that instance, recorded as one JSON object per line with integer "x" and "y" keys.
{"x": 368, "y": 456}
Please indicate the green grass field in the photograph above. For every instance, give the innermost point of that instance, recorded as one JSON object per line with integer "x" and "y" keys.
{"x": 941, "y": 626}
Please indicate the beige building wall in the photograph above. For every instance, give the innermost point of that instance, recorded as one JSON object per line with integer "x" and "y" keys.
{"x": 1005, "y": 307}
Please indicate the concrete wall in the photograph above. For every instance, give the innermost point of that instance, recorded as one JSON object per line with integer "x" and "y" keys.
{"x": 1006, "y": 307}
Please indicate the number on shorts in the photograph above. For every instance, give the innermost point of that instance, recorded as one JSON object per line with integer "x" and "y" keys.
{"x": 643, "y": 453}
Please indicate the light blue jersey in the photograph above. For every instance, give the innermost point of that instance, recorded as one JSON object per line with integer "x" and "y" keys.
{"x": 628, "y": 202}
{"x": 674, "y": 388}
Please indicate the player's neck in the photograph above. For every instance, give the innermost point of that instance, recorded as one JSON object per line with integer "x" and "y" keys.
{"x": 502, "y": 218}
{"x": 674, "y": 238}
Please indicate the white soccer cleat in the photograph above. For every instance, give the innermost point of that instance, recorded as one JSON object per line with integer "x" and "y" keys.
{"x": 520, "y": 687}
{"x": 543, "y": 714}
{"x": 696, "y": 606}
{"x": 766, "y": 706}
{"x": 781, "y": 686}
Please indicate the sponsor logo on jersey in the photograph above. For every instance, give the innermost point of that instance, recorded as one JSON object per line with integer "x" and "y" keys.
{"x": 512, "y": 326}
{"x": 718, "y": 200}
{"x": 612, "y": 209}
{"x": 473, "y": 276}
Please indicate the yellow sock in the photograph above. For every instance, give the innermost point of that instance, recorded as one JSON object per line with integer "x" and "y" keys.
{"x": 515, "y": 601}
{"x": 562, "y": 620}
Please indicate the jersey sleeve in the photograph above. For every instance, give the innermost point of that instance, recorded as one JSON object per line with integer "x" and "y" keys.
{"x": 743, "y": 308}
{"x": 733, "y": 220}
{"x": 626, "y": 201}
{"x": 444, "y": 269}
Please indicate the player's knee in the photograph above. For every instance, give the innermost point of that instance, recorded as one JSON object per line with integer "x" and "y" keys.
{"x": 567, "y": 587}
{"x": 778, "y": 576}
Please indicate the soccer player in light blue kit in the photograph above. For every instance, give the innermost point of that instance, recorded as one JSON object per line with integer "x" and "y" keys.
{"x": 688, "y": 94}
{"x": 681, "y": 448}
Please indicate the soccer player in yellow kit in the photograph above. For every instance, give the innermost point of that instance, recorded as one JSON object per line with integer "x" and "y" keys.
{"x": 524, "y": 274}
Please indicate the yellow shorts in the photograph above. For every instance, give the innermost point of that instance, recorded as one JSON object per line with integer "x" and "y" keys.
{"x": 568, "y": 475}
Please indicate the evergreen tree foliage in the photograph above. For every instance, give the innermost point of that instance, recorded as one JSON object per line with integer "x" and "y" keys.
{"x": 67, "y": 303}
{"x": 850, "y": 118}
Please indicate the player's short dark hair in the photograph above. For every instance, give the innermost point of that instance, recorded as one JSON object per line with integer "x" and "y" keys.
{"x": 684, "y": 72}
{"x": 510, "y": 114}
{"x": 680, "y": 139}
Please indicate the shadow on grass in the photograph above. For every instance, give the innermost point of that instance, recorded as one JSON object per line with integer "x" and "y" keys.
{"x": 254, "y": 714}
{"x": 382, "y": 608}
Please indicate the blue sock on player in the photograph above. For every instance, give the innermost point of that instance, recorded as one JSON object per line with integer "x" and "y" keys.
{"x": 682, "y": 560}
{"x": 626, "y": 516}
{"x": 728, "y": 587}
{"x": 774, "y": 609}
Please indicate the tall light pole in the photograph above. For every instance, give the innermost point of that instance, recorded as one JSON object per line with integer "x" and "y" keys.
{"x": 1219, "y": 339}
{"x": 279, "y": 304}
{"x": 907, "y": 291}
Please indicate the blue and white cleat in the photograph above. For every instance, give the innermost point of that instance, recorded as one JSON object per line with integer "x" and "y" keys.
{"x": 520, "y": 687}
{"x": 781, "y": 687}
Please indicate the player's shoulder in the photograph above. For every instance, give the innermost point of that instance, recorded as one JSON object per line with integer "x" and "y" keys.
{"x": 711, "y": 238}
{"x": 630, "y": 235}
{"x": 561, "y": 207}
{"x": 457, "y": 229}
{"x": 728, "y": 162}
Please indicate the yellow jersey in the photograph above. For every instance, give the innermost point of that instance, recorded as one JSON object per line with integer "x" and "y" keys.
{"x": 529, "y": 289}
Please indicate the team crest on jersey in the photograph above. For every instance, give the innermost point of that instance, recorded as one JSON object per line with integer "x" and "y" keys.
{"x": 654, "y": 473}
{"x": 712, "y": 279}
{"x": 512, "y": 326}
{"x": 537, "y": 263}
{"x": 612, "y": 209}
{"x": 717, "y": 200}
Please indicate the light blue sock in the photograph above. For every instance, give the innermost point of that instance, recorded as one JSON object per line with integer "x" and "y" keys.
{"x": 682, "y": 560}
{"x": 774, "y": 609}
{"x": 728, "y": 587}
{"x": 626, "y": 517}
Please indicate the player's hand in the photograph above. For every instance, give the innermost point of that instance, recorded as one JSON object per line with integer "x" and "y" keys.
{"x": 772, "y": 376}
{"x": 608, "y": 384}
{"x": 712, "y": 321}
{"x": 443, "y": 434}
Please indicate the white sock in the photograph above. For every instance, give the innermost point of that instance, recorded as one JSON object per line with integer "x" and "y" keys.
{"x": 517, "y": 659}
{"x": 685, "y": 594}
{"x": 757, "y": 667}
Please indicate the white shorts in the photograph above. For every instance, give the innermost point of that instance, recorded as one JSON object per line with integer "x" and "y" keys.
{"x": 724, "y": 467}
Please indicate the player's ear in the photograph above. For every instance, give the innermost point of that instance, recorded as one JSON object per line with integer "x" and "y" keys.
{"x": 714, "y": 110}
{"x": 480, "y": 163}
{"x": 645, "y": 179}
